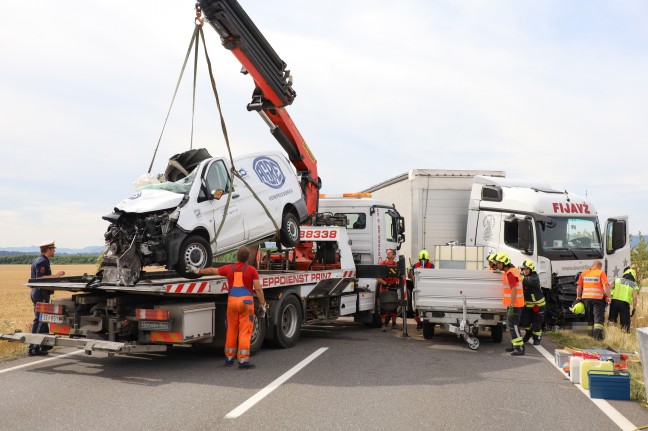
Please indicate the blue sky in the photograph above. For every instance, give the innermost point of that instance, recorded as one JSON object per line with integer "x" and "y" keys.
{"x": 552, "y": 91}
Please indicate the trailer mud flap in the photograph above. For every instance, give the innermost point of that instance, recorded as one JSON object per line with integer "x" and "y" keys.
{"x": 88, "y": 346}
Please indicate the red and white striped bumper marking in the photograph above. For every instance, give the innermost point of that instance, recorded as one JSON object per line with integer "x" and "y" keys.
{"x": 187, "y": 287}
{"x": 348, "y": 274}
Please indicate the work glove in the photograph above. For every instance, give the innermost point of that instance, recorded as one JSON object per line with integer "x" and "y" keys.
{"x": 193, "y": 269}
{"x": 262, "y": 311}
{"x": 509, "y": 312}
{"x": 633, "y": 312}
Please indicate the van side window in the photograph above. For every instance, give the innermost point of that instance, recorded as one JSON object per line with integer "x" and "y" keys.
{"x": 217, "y": 178}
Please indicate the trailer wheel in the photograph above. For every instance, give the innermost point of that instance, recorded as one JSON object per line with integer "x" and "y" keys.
{"x": 496, "y": 333}
{"x": 289, "y": 234}
{"x": 194, "y": 251}
{"x": 258, "y": 334}
{"x": 288, "y": 325}
{"x": 428, "y": 330}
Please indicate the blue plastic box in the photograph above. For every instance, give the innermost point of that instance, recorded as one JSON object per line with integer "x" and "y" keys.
{"x": 609, "y": 385}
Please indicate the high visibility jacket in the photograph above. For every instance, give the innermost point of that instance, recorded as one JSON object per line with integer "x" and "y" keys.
{"x": 507, "y": 289}
{"x": 623, "y": 290}
{"x": 593, "y": 281}
{"x": 532, "y": 291}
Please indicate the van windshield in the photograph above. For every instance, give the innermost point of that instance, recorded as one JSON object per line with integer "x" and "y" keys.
{"x": 182, "y": 186}
{"x": 570, "y": 238}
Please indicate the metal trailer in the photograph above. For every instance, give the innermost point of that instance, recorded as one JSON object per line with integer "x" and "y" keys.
{"x": 463, "y": 302}
{"x": 164, "y": 310}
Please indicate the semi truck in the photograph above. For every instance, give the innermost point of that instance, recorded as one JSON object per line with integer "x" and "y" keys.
{"x": 558, "y": 230}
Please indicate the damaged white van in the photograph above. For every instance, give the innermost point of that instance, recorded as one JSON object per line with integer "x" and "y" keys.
{"x": 182, "y": 220}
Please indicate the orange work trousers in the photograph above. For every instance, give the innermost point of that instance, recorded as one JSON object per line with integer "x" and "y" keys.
{"x": 240, "y": 322}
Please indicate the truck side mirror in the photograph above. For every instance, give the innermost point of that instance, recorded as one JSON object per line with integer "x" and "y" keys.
{"x": 619, "y": 235}
{"x": 525, "y": 234}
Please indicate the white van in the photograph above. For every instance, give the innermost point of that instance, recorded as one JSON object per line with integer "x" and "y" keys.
{"x": 181, "y": 221}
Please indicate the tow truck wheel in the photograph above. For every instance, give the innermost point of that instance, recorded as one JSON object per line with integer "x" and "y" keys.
{"x": 289, "y": 230}
{"x": 428, "y": 330}
{"x": 195, "y": 251}
{"x": 288, "y": 325}
{"x": 258, "y": 334}
{"x": 496, "y": 333}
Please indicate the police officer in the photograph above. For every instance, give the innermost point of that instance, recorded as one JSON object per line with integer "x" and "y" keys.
{"x": 243, "y": 282}
{"x": 534, "y": 303}
{"x": 423, "y": 262}
{"x": 592, "y": 287}
{"x": 624, "y": 292}
{"x": 513, "y": 300}
{"x": 41, "y": 268}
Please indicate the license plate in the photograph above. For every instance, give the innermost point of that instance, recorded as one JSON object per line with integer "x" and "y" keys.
{"x": 51, "y": 318}
{"x": 155, "y": 325}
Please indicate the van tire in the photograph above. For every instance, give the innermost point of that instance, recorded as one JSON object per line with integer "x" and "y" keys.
{"x": 289, "y": 234}
{"x": 287, "y": 327}
{"x": 195, "y": 250}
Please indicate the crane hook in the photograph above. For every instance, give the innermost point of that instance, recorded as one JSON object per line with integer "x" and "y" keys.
{"x": 199, "y": 21}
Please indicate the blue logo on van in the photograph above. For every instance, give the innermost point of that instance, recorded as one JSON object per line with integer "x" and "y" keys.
{"x": 269, "y": 172}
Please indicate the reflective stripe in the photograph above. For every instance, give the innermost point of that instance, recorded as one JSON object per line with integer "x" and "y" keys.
{"x": 244, "y": 352}
{"x": 507, "y": 291}
{"x": 598, "y": 325}
{"x": 623, "y": 290}
{"x": 228, "y": 350}
{"x": 591, "y": 282}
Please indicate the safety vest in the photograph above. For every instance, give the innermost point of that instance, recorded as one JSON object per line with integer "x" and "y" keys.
{"x": 507, "y": 290}
{"x": 623, "y": 290}
{"x": 592, "y": 285}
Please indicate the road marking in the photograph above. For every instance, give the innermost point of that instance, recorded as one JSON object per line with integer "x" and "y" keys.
{"x": 29, "y": 364}
{"x": 605, "y": 407}
{"x": 238, "y": 411}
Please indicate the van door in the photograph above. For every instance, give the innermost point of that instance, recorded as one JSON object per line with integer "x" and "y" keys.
{"x": 617, "y": 246}
{"x": 232, "y": 231}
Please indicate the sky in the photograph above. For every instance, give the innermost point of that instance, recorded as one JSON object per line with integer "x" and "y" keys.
{"x": 552, "y": 91}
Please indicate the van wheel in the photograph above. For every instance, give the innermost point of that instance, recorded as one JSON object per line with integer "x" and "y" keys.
{"x": 195, "y": 251}
{"x": 258, "y": 334}
{"x": 428, "y": 330}
{"x": 288, "y": 325}
{"x": 289, "y": 230}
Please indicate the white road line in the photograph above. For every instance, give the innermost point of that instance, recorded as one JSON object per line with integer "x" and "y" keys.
{"x": 29, "y": 364}
{"x": 605, "y": 407}
{"x": 238, "y": 411}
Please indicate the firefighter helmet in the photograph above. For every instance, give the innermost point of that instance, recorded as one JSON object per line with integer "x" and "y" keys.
{"x": 423, "y": 254}
{"x": 491, "y": 257}
{"x": 504, "y": 258}
{"x": 578, "y": 308}
{"x": 528, "y": 264}
{"x": 630, "y": 272}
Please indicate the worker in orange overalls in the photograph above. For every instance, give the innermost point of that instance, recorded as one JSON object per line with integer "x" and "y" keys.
{"x": 592, "y": 287}
{"x": 513, "y": 300}
{"x": 386, "y": 284}
{"x": 243, "y": 282}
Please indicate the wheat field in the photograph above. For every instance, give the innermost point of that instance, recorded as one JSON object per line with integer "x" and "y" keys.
{"x": 16, "y": 309}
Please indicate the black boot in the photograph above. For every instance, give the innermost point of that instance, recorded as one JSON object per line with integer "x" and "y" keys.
{"x": 510, "y": 349}
{"x": 527, "y": 336}
{"x": 518, "y": 351}
{"x": 537, "y": 340}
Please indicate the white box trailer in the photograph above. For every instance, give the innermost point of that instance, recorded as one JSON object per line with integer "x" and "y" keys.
{"x": 434, "y": 204}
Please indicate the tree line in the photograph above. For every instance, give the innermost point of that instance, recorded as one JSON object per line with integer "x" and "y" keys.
{"x": 68, "y": 259}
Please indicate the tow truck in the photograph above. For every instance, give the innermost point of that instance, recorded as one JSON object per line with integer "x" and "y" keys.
{"x": 325, "y": 277}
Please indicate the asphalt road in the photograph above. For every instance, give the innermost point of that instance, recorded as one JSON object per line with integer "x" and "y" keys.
{"x": 364, "y": 380}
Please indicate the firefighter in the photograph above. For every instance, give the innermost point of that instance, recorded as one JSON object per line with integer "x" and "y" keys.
{"x": 388, "y": 284}
{"x": 513, "y": 300}
{"x": 624, "y": 293}
{"x": 423, "y": 262}
{"x": 243, "y": 282}
{"x": 492, "y": 263}
{"x": 534, "y": 304}
{"x": 592, "y": 288}
{"x": 40, "y": 268}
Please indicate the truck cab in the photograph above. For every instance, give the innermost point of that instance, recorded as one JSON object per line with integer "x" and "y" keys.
{"x": 559, "y": 231}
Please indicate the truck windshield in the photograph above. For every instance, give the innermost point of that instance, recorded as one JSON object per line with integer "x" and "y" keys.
{"x": 181, "y": 186}
{"x": 570, "y": 239}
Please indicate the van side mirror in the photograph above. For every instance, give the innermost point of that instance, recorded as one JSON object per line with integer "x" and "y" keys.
{"x": 217, "y": 194}
{"x": 525, "y": 235}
